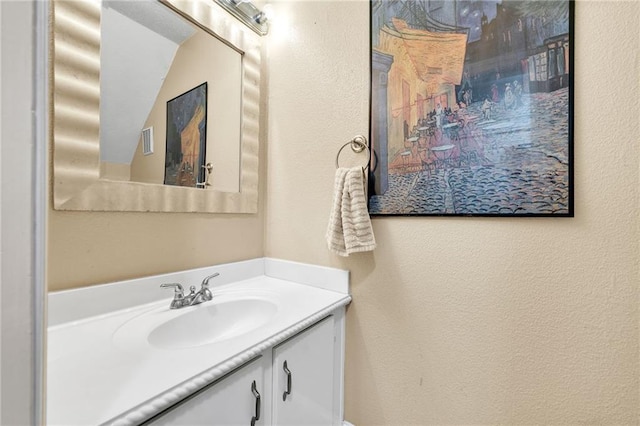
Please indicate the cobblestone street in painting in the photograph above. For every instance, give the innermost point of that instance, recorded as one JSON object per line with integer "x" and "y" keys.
{"x": 525, "y": 171}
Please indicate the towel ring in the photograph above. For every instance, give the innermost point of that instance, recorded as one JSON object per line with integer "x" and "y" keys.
{"x": 358, "y": 144}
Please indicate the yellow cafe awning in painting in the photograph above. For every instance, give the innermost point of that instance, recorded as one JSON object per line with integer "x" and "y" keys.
{"x": 437, "y": 57}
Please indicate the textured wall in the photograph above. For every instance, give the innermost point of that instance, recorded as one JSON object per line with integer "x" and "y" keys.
{"x": 463, "y": 320}
{"x": 94, "y": 247}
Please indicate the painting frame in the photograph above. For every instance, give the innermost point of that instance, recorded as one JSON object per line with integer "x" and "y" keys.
{"x": 509, "y": 151}
{"x": 186, "y": 138}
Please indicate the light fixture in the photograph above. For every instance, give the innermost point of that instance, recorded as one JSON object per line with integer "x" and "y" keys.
{"x": 247, "y": 13}
{"x": 260, "y": 18}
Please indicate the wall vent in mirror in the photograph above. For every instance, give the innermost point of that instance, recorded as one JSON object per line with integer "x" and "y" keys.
{"x": 147, "y": 141}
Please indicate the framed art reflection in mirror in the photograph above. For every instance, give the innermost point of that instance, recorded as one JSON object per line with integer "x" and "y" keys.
{"x": 186, "y": 138}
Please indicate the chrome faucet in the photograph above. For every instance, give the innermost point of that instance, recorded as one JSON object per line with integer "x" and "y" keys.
{"x": 180, "y": 300}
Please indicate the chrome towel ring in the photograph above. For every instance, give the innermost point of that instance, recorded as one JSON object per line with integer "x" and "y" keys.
{"x": 358, "y": 144}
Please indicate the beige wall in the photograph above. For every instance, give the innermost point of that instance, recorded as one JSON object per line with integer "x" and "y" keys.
{"x": 465, "y": 320}
{"x": 91, "y": 248}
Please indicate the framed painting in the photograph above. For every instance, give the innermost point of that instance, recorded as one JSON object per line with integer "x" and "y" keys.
{"x": 471, "y": 108}
{"x": 186, "y": 138}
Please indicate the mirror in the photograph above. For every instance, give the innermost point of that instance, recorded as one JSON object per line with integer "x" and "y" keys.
{"x": 150, "y": 60}
{"x": 111, "y": 81}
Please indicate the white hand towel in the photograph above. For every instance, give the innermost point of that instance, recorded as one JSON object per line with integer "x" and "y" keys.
{"x": 349, "y": 229}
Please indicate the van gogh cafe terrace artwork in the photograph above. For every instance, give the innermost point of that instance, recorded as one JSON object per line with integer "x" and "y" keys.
{"x": 471, "y": 108}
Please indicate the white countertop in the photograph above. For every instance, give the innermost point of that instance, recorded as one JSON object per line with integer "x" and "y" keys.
{"x": 96, "y": 373}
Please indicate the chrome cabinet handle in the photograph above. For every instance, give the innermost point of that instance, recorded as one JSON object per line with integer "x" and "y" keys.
{"x": 256, "y": 394}
{"x": 288, "y": 391}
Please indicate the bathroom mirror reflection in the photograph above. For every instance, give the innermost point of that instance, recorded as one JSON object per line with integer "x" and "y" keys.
{"x": 123, "y": 67}
{"x": 150, "y": 60}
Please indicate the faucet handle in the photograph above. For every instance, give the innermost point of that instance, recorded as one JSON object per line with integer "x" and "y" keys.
{"x": 177, "y": 288}
{"x": 205, "y": 282}
{"x": 178, "y": 295}
{"x": 206, "y": 293}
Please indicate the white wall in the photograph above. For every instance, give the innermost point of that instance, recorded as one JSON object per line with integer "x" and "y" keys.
{"x": 134, "y": 63}
{"x": 17, "y": 227}
{"x": 470, "y": 320}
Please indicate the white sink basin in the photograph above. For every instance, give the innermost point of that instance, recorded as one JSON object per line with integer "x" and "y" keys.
{"x": 212, "y": 322}
{"x": 222, "y": 318}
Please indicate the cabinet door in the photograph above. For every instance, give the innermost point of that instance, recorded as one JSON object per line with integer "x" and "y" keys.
{"x": 304, "y": 378}
{"x": 230, "y": 401}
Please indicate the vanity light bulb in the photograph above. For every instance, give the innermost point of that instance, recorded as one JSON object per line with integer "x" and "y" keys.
{"x": 267, "y": 11}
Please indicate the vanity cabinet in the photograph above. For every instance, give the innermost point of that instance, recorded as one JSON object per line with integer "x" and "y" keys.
{"x": 299, "y": 383}
{"x": 303, "y": 377}
{"x": 147, "y": 364}
{"x": 240, "y": 398}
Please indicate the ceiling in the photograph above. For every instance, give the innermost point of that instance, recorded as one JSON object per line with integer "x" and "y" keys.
{"x": 139, "y": 40}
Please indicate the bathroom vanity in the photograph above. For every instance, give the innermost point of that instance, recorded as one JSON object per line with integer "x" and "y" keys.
{"x": 268, "y": 349}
